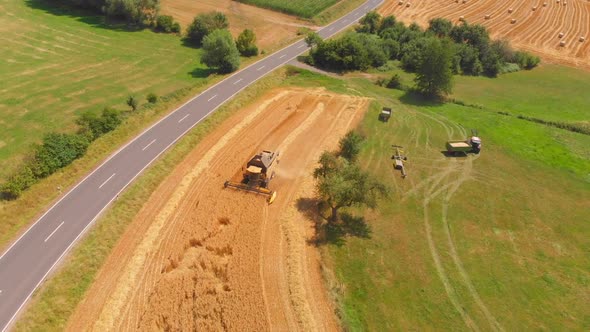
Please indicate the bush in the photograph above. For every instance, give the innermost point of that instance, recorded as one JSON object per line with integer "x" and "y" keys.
{"x": 93, "y": 126}
{"x": 350, "y": 146}
{"x": 526, "y": 60}
{"x": 510, "y": 68}
{"x": 246, "y": 43}
{"x": 132, "y": 102}
{"x": 57, "y": 151}
{"x": 165, "y": 23}
{"x": 204, "y": 24}
{"x": 152, "y": 98}
{"x": 343, "y": 54}
{"x": 138, "y": 12}
{"x": 17, "y": 183}
{"x": 395, "y": 82}
{"x": 220, "y": 52}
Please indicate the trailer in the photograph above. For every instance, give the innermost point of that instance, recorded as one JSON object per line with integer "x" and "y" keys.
{"x": 385, "y": 114}
{"x": 471, "y": 144}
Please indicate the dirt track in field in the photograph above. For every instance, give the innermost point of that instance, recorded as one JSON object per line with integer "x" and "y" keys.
{"x": 271, "y": 28}
{"x": 198, "y": 256}
{"x": 535, "y": 30}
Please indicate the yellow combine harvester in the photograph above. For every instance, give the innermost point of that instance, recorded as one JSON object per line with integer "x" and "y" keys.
{"x": 256, "y": 178}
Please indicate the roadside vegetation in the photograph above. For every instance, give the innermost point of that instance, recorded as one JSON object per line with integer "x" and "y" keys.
{"x": 65, "y": 62}
{"x": 302, "y": 8}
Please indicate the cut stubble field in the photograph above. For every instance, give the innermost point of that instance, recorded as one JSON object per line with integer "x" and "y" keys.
{"x": 199, "y": 256}
{"x": 534, "y": 30}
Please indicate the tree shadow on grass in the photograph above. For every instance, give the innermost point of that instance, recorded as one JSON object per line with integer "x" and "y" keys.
{"x": 202, "y": 72}
{"x": 412, "y": 97}
{"x": 87, "y": 16}
{"x": 189, "y": 43}
{"x": 328, "y": 232}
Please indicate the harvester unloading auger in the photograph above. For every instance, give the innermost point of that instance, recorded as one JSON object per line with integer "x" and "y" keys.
{"x": 256, "y": 176}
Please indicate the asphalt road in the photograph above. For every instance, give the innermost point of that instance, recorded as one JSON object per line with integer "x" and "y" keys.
{"x": 30, "y": 259}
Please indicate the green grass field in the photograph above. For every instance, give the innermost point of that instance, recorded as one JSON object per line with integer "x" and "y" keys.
{"x": 58, "y": 63}
{"x": 490, "y": 242}
{"x": 549, "y": 92}
{"x": 302, "y": 8}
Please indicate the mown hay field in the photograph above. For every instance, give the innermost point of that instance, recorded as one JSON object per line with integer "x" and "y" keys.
{"x": 57, "y": 63}
{"x": 494, "y": 241}
{"x": 535, "y": 30}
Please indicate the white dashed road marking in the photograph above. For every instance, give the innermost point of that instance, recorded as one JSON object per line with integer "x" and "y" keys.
{"x": 107, "y": 180}
{"x": 184, "y": 117}
{"x": 212, "y": 98}
{"x": 55, "y": 230}
{"x": 238, "y": 81}
{"x": 147, "y": 146}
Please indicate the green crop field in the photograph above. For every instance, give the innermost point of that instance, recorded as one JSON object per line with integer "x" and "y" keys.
{"x": 58, "y": 63}
{"x": 549, "y": 92}
{"x": 496, "y": 241}
{"x": 303, "y": 8}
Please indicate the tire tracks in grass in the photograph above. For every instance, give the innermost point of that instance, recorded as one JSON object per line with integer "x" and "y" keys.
{"x": 465, "y": 174}
{"x": 442, "y": 183}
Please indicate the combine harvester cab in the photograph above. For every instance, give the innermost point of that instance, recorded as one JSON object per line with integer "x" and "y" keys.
{"x": 256, "y": 178}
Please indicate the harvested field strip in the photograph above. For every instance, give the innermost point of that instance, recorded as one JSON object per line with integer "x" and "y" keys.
{"x": 211, "y": 257}
{"x": 534, "y": 30}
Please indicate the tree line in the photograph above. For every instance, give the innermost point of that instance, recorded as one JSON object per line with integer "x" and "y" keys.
{"x": 435, "y": 53}
{"x": 136, "y": 12}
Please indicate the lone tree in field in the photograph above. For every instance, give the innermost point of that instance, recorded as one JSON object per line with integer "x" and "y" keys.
{"x": 246, "y": 43}
{"x": 434, "y": 76}
{"x": 204, "y": 24}
{"x": 220, "y": 52}
{"x": 341, "y": 183}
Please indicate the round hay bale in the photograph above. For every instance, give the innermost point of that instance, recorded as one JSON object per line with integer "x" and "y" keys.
{"x": 488, "y": 16}
{"x": 534, "y": 8}
{"x": 510, "y": 10}
{"x": 462, "y": 18}
{"x": 560, "y": 35}
{"x": 408, "y": 4}
{"x": 582, "y": 39}
{"x": 562, "y": 43}
{"x": 557, "y": 1}
{"x": 464, "y": 1}
{"x": 544, "y": 4}
{"x": 512, "y": 21}
{"x": 565, "y": 3}
{"x": 400, "y": 2}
